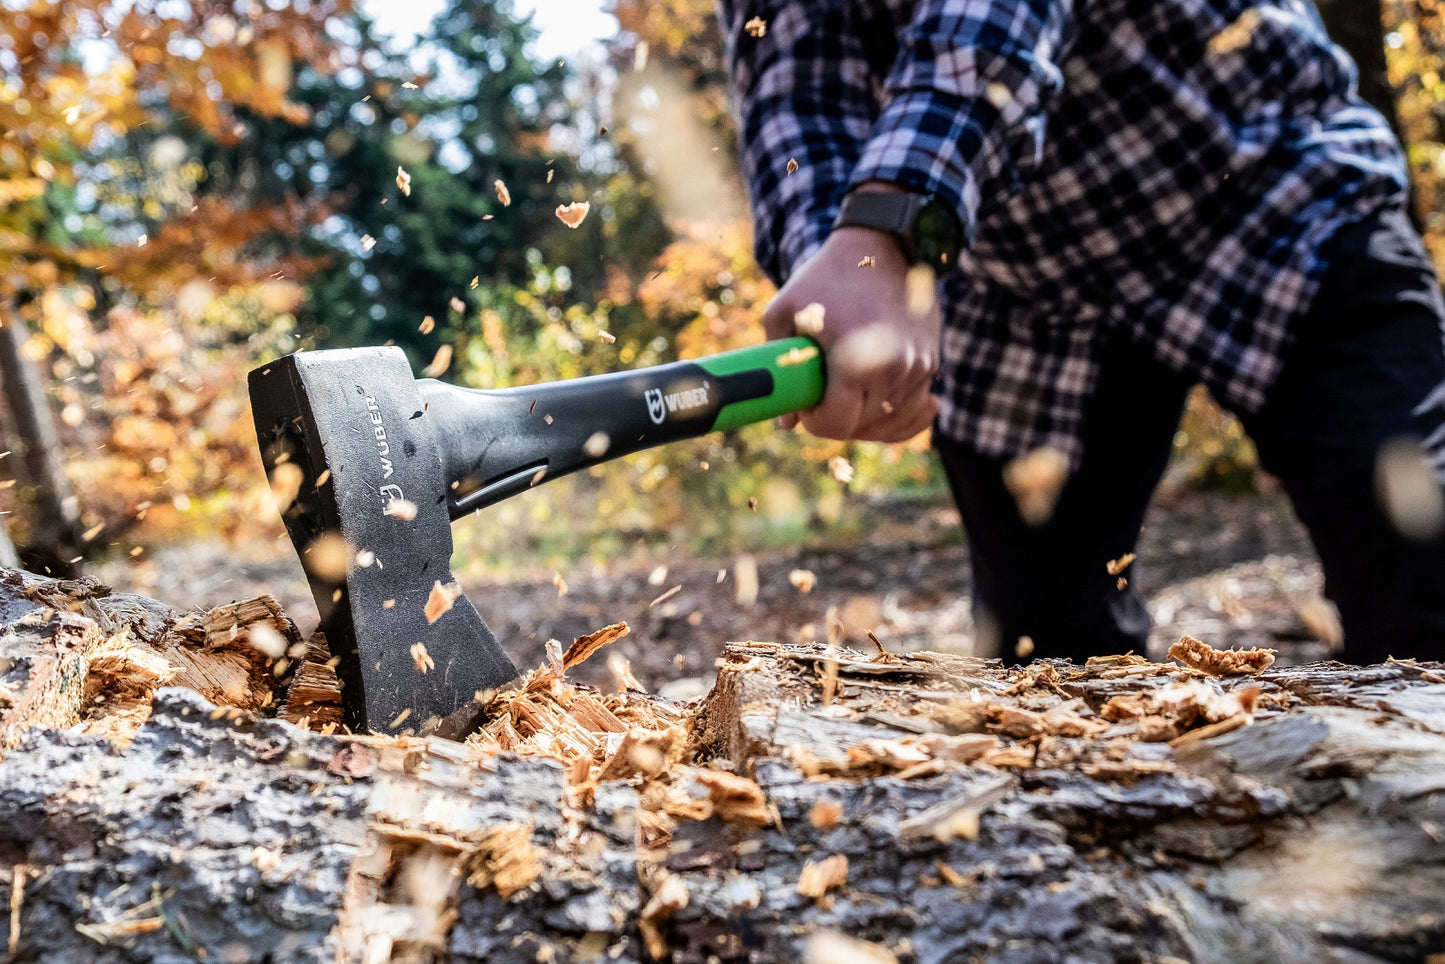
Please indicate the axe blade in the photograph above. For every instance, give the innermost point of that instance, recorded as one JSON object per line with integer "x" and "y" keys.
{"x": 370, "y": 522}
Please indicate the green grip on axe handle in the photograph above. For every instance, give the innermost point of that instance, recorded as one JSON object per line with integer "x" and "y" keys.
{"x": 796, "y": 365}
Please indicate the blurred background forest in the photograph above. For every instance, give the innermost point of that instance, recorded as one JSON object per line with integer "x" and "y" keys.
{"x": 191, "y": 187}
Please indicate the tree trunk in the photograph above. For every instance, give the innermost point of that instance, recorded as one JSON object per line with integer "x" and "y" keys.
{"x": 818, "y": 806}
{"x": 52, "y": 520}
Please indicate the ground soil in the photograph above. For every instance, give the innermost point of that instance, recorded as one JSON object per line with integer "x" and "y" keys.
{"x": 1233, "y": 570}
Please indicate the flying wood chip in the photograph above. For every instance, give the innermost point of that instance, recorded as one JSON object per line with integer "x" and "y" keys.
{"x": 573, "y": 214}
{"x": 585, "y": 646}
{"x": 792, "y": 166}
{"x": 441, "y": 599}
{"x": 757, "y": 26}
{"x": 820, "y": 876}
{"x": 403, "y": 180}
{"x": 1116, "y": 566}
{"x": 421, "y": 658}
{"x": 503, "y": 195}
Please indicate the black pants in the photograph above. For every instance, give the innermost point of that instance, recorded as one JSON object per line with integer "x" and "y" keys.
{"x": 1368, "y": 367}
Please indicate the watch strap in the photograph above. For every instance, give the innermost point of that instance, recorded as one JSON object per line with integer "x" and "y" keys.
{"x": 887, "y": 211}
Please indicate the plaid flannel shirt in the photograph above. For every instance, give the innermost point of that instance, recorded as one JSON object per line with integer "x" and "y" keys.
{"x": 1167, "y": 170}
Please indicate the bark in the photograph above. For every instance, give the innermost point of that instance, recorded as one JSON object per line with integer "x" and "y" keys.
{"x": 933, "y": 808}
{"x": 52, "y": 517}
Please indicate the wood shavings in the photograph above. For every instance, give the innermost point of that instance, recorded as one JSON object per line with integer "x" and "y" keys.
{"x": 441, "y": 599}
{"x": 757, "y": 27}
{"x": 367, "y": 242}
{"x": 734, "y": 798}
{"x": 803, "y": 580}
{"x": 403, "y": 509}
{"x": 573, "y": 214}
{"x": 832, "y": 947}
{"x": 867, "y": 261}
{"x": 792, "y": 166}
{"x": 1322, "y": 618}
{"x": 1035, "y": 481}
{"x": 606, "y": 337}
{"x": 1116, "y": 566}
{"x": 1216, "y": 662}
{"x": 440, "y": 362}
{"x": 503, "y": 195}
{"x": 1237, "y": 35}
{"x": 820, "y": 876}
{"x": 427, "y": 326}
{"x": 808, "y": 320}
{"x": 841, "y": 469}
{"x": 825, "y": 814}
{"x": 403, "y": 180}
{"x": 505, "y": 859}
{"x": 585, "y": 646}
{"x": 745, "y": 577}
{"x": 553, "y": 648}
{"x": 669, "y": 895}
{"x": 354, "y": 760}
{"x": 665, "y": 596}
{"x": 421, "y": 658}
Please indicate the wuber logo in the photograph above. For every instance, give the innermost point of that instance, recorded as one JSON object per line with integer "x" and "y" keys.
{"x": 655, "y": 409}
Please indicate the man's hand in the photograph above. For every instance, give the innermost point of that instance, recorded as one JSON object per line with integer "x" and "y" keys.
{"x": 880, "y": 337}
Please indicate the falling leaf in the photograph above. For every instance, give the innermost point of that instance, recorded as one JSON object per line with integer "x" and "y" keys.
{"x": 441, "y": 599}
{"x": 803, "y": 579}
{"x": 503, "y": 195}
{"x": 421, "y": 658}
{"x": 440, "y": 362}
{"x": 403, "y": 180}
{"x": 808, "y": 320}
{"x": 792, "y": 166}
{"x": 573, "y": 214}
{"x": 757, "y": 26}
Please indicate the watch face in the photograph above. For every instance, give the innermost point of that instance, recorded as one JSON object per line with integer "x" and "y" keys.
{"x": 937, "y": 236}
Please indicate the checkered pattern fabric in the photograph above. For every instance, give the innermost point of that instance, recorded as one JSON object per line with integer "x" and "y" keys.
{"x": 1162, "y": 170}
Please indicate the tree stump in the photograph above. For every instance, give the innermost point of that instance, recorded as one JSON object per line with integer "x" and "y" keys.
{"x": 818, "y": 805}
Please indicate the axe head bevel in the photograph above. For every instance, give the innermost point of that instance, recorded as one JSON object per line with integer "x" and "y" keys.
{"x": 371, "y": 525}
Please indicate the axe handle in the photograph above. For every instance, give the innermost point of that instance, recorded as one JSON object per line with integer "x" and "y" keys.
{"x": 497, "y": 443}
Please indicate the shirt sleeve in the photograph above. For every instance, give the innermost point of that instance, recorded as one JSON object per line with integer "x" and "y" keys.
{"x": 966, "y": 99}
{"x": 838, "y": 92}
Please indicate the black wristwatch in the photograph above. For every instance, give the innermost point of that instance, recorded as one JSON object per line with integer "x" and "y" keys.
{"x": 926, "y": 230}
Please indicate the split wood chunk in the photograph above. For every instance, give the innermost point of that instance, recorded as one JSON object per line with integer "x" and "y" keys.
{"x": 585, "y": 646}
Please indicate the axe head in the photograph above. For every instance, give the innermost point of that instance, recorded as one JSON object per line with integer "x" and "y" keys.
{"x": 348, "y": 432}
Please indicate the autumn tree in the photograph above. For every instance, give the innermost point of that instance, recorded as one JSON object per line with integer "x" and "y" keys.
{"x": 83, "y": 86}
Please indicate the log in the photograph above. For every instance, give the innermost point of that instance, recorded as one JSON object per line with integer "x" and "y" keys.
{"x": 818, "y": 805}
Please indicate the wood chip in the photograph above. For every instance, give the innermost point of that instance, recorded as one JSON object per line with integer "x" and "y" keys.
{"x": 1116, "y": 566}
{"x": 1035, "y": 481}
{"x": 505, "y": 859}
{"x": 808, "y": 320}
{"x": 403, "y": 180}
{"x": 421, "y": 658}
{"x": 1221, "y": 662}
{"x": 585, "y": 646}
{"x": 803, "y": 580}
{"x": 757, "y": 27}
{"x": 441, "y": 599}
{"x": 503, "y": 195}
{"x": 573, "y": 214}
{"x": 820, "y": 876}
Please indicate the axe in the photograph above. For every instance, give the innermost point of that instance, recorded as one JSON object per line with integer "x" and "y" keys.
{"x": 382, "y": 463}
